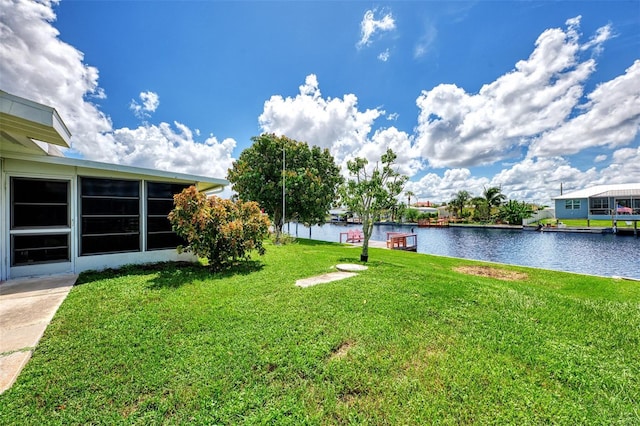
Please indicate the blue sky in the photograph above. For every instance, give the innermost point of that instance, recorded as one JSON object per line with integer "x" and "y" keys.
{"x": 522, "y": 95}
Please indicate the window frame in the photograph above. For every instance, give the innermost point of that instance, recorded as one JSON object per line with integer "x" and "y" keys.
{"x": 39, "y": 230}
{"x": 572, "y": 204}
{"x": 152, "y": 215}
{"x": 113, "y": 219}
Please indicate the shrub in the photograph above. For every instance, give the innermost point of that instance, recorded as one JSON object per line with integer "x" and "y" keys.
{"x": 222, "y": 231}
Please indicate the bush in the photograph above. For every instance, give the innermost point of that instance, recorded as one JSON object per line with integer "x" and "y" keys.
{"x": 222, "y": 231}
{"x": 411, "y": 215}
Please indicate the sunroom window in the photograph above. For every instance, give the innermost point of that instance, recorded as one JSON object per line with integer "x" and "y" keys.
{"x": 159, "y": 204}
{"x": 110, "y": 215}
{"x": 39, "y": 228}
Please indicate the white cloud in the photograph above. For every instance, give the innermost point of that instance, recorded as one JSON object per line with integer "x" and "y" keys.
{"x": 424, "y": 43}
{"x": 369, "y": 26}
{"x": 457, "y": 129}
{"x": 435, "y": 188}
{"x": 624, "y": 167}
{"x": 165, "y": 148}
{"x": 600, "y": 158}
{"x": 337, "y": 124}
{"x": 539, "y": 179}
{"x": 334, "y": 123}
{"x": 611, "y": 118}
{"x": 384, "y": 56}
{"x": 36, "y": 64}
{"x": 393, "y": 116}
{"x": 602, "y": 34}
{"x": 30, "y": 44}
{"x": 150, "y": 102}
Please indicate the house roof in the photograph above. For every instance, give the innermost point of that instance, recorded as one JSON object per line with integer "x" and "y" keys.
{"x": 203, "y": 183}
{"x": 28, "y": 128}
{"x": 28, "y": 124}
{"x": 619, "y": 190}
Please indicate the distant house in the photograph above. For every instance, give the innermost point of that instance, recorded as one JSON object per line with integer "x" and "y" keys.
{"x": 612, "y": 202}
{"x": 69, "y": 215}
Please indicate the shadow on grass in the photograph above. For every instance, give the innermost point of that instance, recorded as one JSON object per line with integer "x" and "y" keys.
{"x": 172, "y": 274}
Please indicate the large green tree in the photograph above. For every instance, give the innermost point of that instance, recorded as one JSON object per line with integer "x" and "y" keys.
{"x": 459, "y": 202}
{"x": 311, "y": 179}
{"x": 368, "y": 192}
{"x": 514, "y": 212}
{"x": 493, "y": 197}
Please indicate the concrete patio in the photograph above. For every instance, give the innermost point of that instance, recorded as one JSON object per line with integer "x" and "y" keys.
{"x": 27, "y": 306}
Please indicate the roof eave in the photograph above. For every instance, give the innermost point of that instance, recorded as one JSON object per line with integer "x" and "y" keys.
{"x": 32, "y": 120}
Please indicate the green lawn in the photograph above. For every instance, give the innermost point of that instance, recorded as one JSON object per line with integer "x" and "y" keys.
{"x": 594, "y": 223}
{"x": 410, "y": 341}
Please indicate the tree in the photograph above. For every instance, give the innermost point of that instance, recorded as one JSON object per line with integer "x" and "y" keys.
{"x": 412, "y": 215}
{"x": 219, "y": 230}
{"x": 409, "y": 194}
{"x": 367, "y": 193}
{"x": 460, "y": 201}
{"x": 311, "y": 179}
{"x": 514, "y": 212}
{"x": 480, "y": 208}
{"x": 493, "y": 197}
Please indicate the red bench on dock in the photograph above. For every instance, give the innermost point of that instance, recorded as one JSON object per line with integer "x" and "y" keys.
{"x": 402, "y": 241}
{"x": 353, "y": 236}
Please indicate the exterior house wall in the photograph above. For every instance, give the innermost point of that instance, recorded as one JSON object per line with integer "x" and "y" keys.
{"x": 22, "y": 168}
{"x": 581, "y": 212}
{"x": 46, "y": 206}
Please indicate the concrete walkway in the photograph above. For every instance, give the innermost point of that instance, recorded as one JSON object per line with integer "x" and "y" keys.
{"x": 27, "y": 306}
{"x": 345, "y": 270}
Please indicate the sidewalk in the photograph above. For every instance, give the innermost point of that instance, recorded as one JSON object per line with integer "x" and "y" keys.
{"x": 27, "y": 306}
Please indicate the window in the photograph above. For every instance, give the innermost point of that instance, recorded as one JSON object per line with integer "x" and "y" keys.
{"x": 572, "y": 204}
{"x": 109, "y": 216}
{"x": 42, "y": 248}
{"x": 39, "y": 221}
{"x": 599, "y": 206}
{"x": 599, "y": 203}
{"x": 159, "y": 204}
{"x": 39, "y": 203}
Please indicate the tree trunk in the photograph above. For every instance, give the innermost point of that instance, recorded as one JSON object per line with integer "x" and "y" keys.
{"x": 278, "y": 224}
{"x": 367, "y": 230}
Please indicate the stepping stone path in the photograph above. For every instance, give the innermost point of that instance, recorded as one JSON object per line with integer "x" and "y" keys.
{"x": 346, "y": 270}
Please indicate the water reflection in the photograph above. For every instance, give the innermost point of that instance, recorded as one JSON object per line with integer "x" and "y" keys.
{"x": 596, "y": 254}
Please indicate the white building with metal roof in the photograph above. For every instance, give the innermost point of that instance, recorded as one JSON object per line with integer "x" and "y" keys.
{"x": 62, "y": 215}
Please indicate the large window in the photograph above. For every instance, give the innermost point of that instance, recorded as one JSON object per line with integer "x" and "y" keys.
{"x": 40, "y": 224}
{"x": 110, "y": 216}
{"x": 572, "y": 204}
{"x": 39, "y": 203}
{"x": 599, "y": 206}
{"x": 159, "y": 204}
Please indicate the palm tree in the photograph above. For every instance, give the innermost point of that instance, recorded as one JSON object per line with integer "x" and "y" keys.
{"x": 460, "y": 201}
{"x": 409, "y": 194}
{"x": 493, "y": 197}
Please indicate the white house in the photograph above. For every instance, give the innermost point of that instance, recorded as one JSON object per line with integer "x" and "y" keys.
{"x": 63, "y": 215}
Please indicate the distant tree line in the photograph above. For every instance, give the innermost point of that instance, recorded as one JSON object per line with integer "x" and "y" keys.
{"x": 490, "y": 207}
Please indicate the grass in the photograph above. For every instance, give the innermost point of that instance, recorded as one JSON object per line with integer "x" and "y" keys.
{"x": 410, "y": 341}
{"x": 592, "y": 223}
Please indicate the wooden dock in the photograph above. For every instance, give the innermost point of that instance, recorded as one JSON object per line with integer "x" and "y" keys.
{"x": 395, "y": 241}
{"x": 429, "y": 223}
{"x": 402, "y": 241}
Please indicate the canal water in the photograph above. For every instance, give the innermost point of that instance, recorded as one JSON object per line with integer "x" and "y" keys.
{"x": 595, "y": 254}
